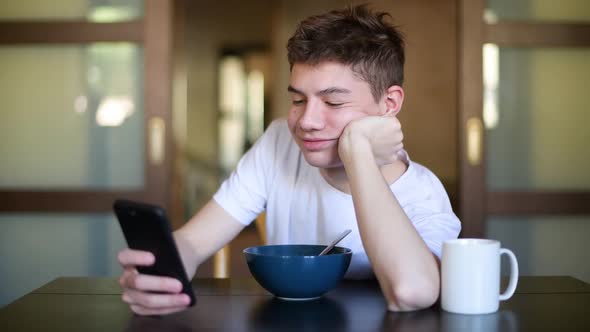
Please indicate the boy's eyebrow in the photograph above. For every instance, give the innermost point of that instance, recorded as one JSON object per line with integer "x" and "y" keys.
{"x": 292, "y": 89}
{"x": 321, "y": 92}
{"x": 332, "y": 90}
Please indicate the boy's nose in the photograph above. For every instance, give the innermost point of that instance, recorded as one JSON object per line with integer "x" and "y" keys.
{"x": 312, "y": 118}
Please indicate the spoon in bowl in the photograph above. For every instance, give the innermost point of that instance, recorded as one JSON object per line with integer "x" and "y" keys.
{"x": 335, "y": 242}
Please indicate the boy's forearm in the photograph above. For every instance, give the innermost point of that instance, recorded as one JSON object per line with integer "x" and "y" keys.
{"x": 187, "y": 254}
{"x": 406, "y": 269}
{"x": 204, "y": 234}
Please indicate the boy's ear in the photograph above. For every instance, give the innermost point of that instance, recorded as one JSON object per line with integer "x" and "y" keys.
{"x": 394, "y": 98}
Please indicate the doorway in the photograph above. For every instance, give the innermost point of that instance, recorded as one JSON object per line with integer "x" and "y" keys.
{"x": 524, "y": 158}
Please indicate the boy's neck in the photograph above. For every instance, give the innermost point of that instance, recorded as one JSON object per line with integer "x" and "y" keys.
{"x": 338, "y": 179}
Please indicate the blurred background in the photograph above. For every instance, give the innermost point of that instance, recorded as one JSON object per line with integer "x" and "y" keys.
{"x": 156, "y": 100}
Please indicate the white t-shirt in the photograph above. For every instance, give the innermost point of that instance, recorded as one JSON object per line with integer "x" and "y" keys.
{"x": 302, "y": 208}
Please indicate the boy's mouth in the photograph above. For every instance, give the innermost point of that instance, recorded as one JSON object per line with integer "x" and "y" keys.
{"x": 317, "y": 144}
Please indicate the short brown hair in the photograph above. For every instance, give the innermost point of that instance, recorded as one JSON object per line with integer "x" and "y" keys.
{"x": 355, "y": 36}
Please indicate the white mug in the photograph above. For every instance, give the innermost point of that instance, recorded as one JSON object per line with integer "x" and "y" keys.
{"x": 470, "y": 276}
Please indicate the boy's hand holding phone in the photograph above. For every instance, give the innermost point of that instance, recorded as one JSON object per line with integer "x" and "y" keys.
{"x": 149, "y": 294}
{"x": 154, "y": 279}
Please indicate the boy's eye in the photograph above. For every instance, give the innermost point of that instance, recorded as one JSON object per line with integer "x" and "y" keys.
{"x": 298, "y": 102}
{"x": 334, "y": 104}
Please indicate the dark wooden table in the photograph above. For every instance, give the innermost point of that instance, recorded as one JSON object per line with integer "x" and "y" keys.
{"x": 94, "y": 304}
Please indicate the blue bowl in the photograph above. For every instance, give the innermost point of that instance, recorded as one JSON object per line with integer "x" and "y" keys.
{"x": 295, "y": 271}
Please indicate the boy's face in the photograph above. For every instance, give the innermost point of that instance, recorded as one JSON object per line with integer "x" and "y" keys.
{"x": 325, "y": 98}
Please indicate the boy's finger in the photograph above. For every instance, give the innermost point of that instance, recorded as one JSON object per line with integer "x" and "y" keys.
{"x": 155, "y": 301}
{"x": 150, "y": 283}
{"x": 130, "y": 257}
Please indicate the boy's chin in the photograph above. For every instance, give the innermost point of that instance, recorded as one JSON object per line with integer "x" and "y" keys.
{"x": 322, "y": 161}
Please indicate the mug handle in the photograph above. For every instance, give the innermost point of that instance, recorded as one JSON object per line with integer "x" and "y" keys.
{"x": 513, "y": 275}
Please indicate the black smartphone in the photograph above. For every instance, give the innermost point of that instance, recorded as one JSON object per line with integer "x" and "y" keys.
{"x": 146, "y": 228}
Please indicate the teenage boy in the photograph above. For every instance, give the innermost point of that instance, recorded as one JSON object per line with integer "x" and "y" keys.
{"x": 337, "y": 162}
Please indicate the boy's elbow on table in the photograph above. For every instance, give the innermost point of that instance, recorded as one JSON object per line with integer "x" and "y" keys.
{"x": 412, "y": 296}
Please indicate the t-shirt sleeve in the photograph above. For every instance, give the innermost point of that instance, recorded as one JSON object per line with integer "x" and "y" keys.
{"x": 433, "y": 216}
{"x": 244, "y": 193}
